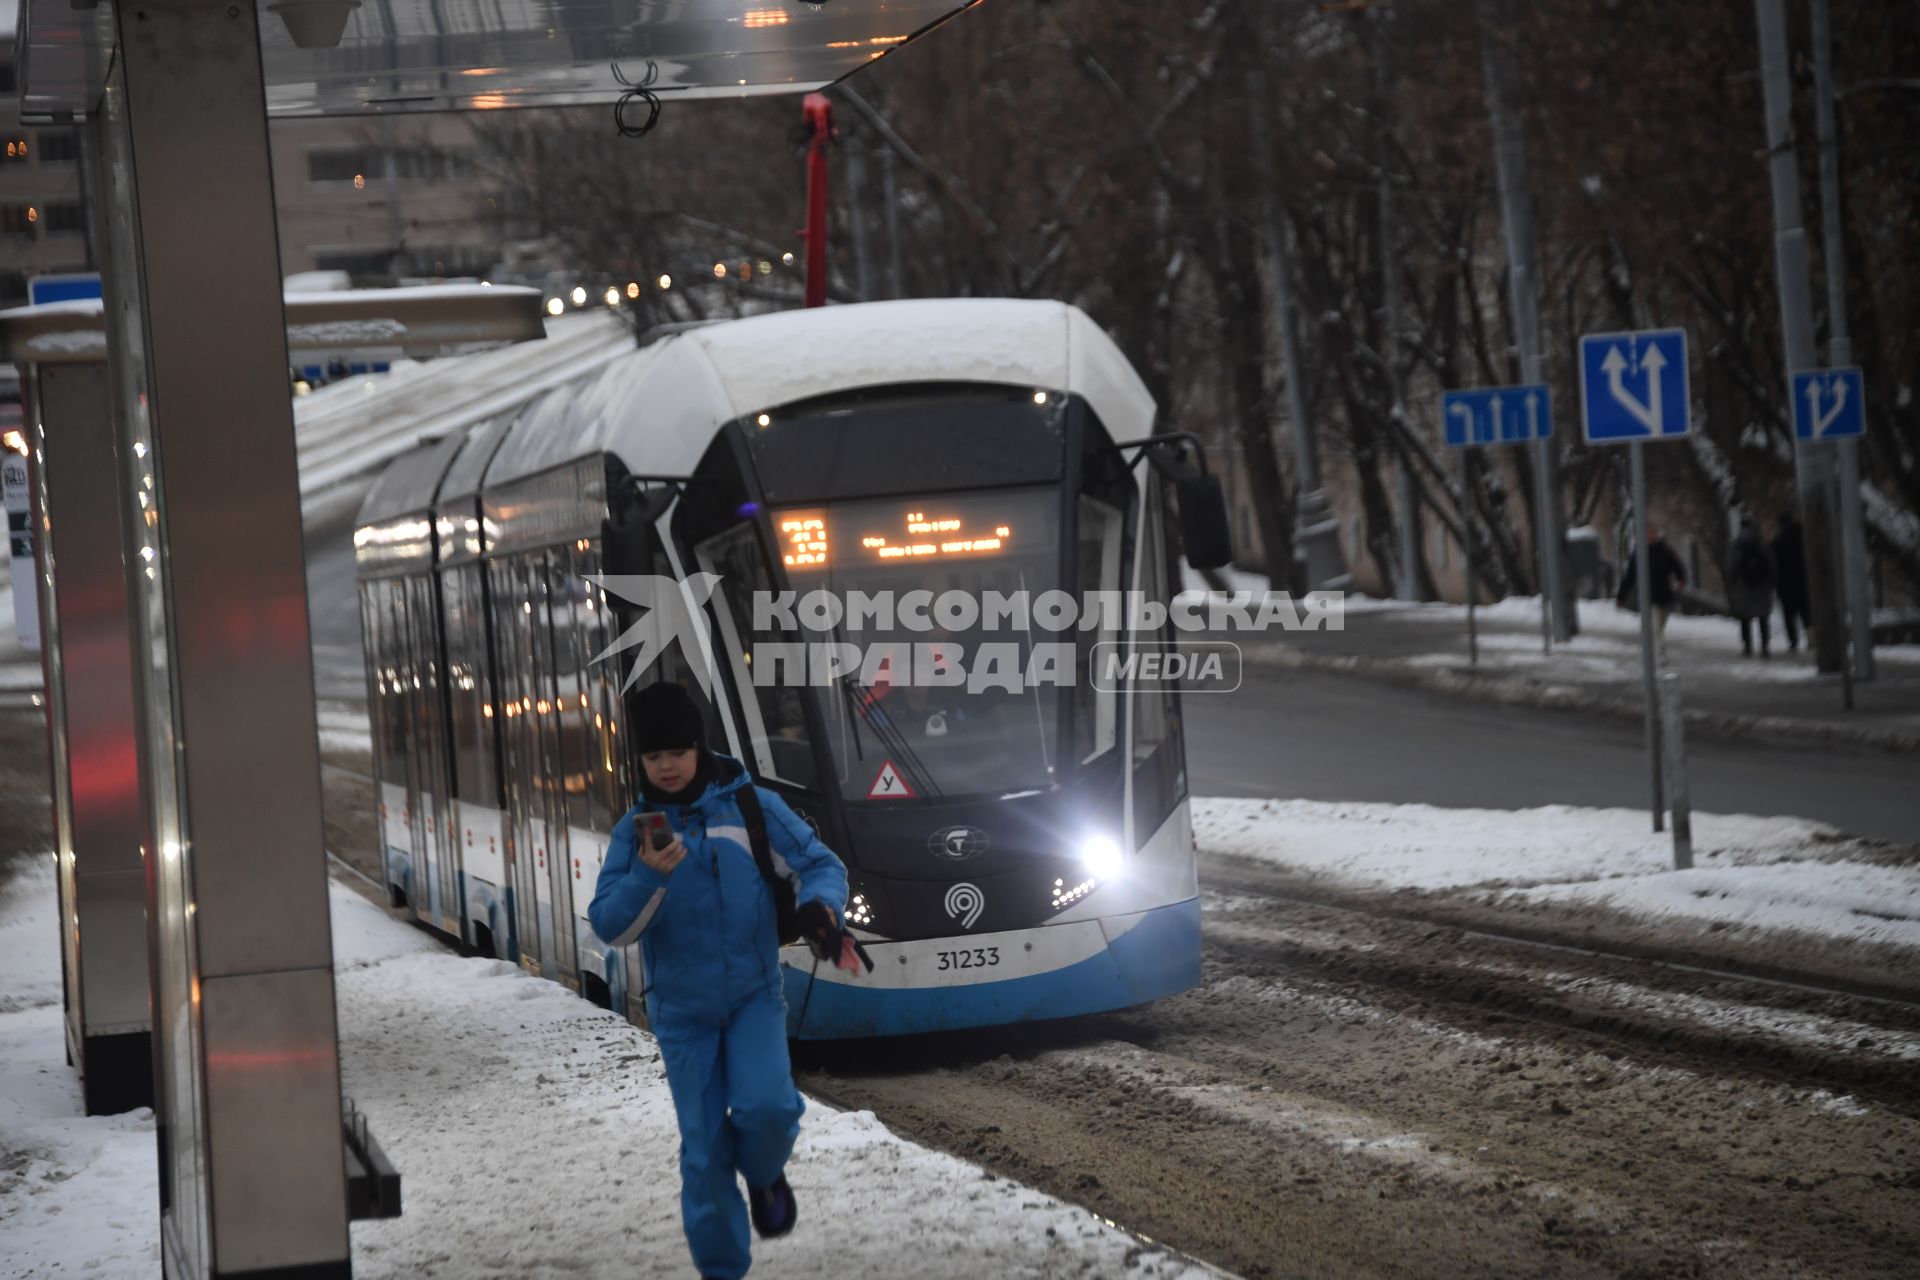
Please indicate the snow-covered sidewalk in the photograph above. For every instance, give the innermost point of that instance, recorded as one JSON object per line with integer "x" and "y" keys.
{"x": 534, "y": 1135}
{"x": 1751, "y": 874}
{"x": 1727, "y": 695}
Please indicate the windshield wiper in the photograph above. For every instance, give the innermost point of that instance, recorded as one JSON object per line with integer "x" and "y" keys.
{"x": 899, "y": 753}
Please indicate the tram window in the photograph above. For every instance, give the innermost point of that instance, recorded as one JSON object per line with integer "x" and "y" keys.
{"x": 395, "y": 680}
{"x": 571, "y": 719}
{"x": 1096, "y": 710}
{"x": 604, "y": 794}
{"x": 1159, "y": 772}
{"x": 776, "y": 723}
{"x": 474, "y": 774}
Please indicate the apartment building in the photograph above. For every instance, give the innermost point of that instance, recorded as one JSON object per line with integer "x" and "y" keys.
{"x": 43, "y": 227}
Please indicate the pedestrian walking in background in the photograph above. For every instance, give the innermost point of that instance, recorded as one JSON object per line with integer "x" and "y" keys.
{"x": 1665, "y": 577}
{"x": 1790, "y": 576}
{"x": 1750, "y": 585}
{"x": 689, "y": 874}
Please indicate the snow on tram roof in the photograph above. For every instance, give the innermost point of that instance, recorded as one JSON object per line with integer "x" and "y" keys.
{"x": 658, "y": 409}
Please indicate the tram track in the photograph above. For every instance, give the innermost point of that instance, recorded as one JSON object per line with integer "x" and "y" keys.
{"x": 1345, "y": 1095}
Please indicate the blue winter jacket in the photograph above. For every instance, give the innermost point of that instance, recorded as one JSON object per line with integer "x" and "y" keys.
{"x": 706, "y": 929}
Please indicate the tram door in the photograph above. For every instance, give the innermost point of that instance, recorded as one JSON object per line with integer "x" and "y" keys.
{"x": 433, "y": 826}
{"x": 542, "y": 901}
{"x": 393, "y": 754}
{"x": 551, "y": 846}
{"x": 413, "y": 878}
{"x": 513, "y": 631}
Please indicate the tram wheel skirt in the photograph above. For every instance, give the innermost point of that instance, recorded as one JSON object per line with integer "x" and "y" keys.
{"x": 1158, "y": 956}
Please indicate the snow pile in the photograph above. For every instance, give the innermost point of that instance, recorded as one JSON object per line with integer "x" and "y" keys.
{"x": 534, "y": 1134}
{"x": 1773, "y": 873}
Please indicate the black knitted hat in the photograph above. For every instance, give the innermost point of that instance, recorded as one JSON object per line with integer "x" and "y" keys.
{"x": 665, "y": 718}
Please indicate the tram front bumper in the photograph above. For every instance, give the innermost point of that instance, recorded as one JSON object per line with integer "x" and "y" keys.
{"x": 945, "y": 984}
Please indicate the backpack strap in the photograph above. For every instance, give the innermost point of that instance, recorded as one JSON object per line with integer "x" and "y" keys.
{"x": 754, "y": 818}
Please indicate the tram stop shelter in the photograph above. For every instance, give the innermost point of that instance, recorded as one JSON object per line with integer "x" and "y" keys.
{"x": 187, "y": 794}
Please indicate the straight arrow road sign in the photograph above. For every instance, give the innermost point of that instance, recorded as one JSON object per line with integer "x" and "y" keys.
{"x": 1497, "y": 415}
{"x": 1633, "y": 386}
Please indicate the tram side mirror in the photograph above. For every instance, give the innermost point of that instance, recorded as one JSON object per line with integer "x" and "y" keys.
{"x": 1204, "y": 532}
{"x": 628, "y": 535}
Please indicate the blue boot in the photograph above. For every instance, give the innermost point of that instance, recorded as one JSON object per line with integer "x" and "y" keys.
{"x": 773, "y": 1208}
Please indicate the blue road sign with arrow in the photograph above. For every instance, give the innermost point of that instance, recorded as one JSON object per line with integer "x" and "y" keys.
{"x": 1829, "y": 404}
{"x": 1633, "y": 386}
{"x": 1497, "y": 415}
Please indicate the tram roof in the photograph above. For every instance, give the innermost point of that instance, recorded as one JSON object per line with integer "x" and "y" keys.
{"x": 658, "y": 408}
{"x": 411, "y": 481}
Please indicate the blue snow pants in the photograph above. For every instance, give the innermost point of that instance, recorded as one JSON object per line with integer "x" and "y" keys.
{"x": 739, "y": 1115}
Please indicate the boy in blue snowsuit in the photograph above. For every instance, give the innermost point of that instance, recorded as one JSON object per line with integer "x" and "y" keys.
{"x": 704, "y": 918}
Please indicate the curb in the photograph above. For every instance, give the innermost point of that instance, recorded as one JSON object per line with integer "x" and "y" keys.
{"x": 1521, "y": 691}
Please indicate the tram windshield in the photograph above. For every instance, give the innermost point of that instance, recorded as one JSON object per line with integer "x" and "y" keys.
{"x": 947, "y": 681}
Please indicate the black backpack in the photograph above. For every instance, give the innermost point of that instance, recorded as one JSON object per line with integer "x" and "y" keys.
{"x": 786, "y": 917}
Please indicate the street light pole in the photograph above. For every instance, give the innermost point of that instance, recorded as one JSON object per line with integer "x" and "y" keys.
{"x": 1813, "y": 463}
{"x": 1558, "y": 622}
{"x": 1853, "y": 536}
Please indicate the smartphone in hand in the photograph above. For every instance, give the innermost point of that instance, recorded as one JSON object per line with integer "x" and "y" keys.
{"x": 659, "y": 835}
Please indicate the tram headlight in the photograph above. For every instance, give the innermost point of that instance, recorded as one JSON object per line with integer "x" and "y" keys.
{"x": 1100, "y": 855}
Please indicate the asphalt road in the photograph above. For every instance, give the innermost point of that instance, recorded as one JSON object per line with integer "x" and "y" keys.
{"x": 1311, "y": 736}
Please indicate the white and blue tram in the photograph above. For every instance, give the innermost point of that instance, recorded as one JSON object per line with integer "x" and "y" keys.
{"x": 1014, "y": 853}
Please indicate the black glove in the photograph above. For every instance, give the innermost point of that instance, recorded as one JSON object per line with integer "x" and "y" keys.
{"x": 828, "y": 938}
{"x": 820, "y": 929}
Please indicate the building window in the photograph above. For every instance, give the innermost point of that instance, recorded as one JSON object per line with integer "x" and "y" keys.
{"x": 17, "y": 220}
{"x": 15, "y": 150}
{"x": 341, "y": 165}
{"x": 57, "y": 146}
{"x": 65, "y": 215}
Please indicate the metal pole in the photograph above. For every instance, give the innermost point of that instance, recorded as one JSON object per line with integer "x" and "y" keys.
{"x": 91, "y": 720}
{"x": 1316, "y": 534}
{"x": 247, "y": 1104}
{"x": 1813, "y": 462}
{"x": 1408, "y": 587}
{"x": 817, "y": 111}
{"x": 1557, "y": 619}
{"x": 1679, "y": 794}
{"x": 1466, "y": 553}
{"x": 857, "y": 222}
{"x": 1644, "y": 581}
{"x": 390, "y": 171}
{"x": 894, "y": 274}
{"x": 1853, "y": 534}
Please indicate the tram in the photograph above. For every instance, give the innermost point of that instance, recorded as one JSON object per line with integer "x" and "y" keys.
{"x": 1016, "y": 850}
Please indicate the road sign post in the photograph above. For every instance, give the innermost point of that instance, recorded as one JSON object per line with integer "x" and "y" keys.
{"x": 1633, "y": 388}
{"x": 1673, "y": 722}
{"x": 1649, "y": 663}
{"x": 1480, "y": 416}
{"x": 1466, "y": 556}
{"x": 1830, "y": 405}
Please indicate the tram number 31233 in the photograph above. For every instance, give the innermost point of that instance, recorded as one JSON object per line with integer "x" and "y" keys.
{"x": 977, "y": 958}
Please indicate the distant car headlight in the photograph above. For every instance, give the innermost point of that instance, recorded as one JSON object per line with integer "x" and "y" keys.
{"x": 1100, "y": 855}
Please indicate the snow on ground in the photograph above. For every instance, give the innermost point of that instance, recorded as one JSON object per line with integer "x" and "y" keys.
{"x": 534, "y": 1135}
{"x": 1774, "y": 873}
{"x": 1608, "y": 646}
{"x": 343, "y": 728}
{"x": 76, "y": 1193}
